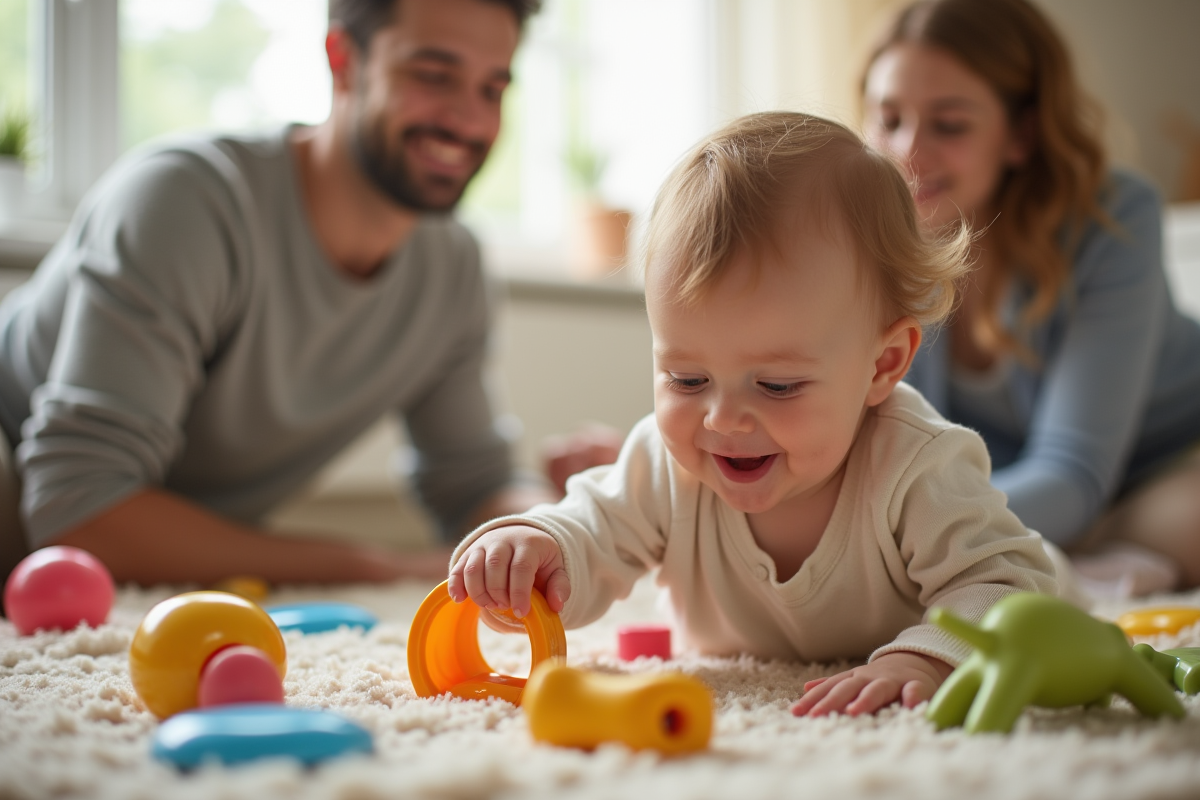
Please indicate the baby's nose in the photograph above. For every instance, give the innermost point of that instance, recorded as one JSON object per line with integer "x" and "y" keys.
{"x": 728, "y": 417}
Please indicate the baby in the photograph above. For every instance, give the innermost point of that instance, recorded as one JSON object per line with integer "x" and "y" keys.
{"x": 799, "y": 501}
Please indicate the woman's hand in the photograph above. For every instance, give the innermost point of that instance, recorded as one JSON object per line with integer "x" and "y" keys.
{"x": 499, "y": 569}
{"x": 908, "y": 677}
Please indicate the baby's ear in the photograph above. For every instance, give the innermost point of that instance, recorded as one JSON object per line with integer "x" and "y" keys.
{"x": 898, "y": 346}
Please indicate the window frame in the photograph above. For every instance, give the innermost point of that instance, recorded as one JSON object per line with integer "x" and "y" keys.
{"x": 73, "y": 80}
{"x": 76, "y": 76}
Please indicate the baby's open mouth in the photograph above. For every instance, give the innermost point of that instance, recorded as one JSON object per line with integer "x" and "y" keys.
{"x": 745, "y": 469}
{"x": 746, "y": 464}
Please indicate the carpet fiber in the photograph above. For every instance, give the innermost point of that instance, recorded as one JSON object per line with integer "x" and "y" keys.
{"x": 72, "y": 726}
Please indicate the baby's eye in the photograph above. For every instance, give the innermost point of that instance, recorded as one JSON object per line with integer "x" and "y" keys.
{"x": 781, "y": 389}
{"x": 683, "y": 383}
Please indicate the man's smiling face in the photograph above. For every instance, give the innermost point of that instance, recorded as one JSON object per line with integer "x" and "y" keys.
{"x": 427, "y": 98}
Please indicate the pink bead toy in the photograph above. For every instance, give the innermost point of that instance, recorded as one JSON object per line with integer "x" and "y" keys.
{"x": 644, "y": 640}
{"x": 239, "y": 674}
{"x": 58, "y": 588}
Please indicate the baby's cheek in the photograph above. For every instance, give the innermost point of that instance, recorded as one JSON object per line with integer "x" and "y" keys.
{"x": 686, "y": 454}
{"x": 820, "y": 449}
{"x": 679, "y": 445}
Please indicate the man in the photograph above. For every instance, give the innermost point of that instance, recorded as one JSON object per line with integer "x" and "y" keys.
{"x": 226, "y": 314}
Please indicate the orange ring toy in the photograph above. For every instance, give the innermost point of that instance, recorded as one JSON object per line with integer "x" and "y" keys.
{"x": 444, "y": 655}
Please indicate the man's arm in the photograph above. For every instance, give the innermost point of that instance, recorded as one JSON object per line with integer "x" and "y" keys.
{"x": 155, "y": 536}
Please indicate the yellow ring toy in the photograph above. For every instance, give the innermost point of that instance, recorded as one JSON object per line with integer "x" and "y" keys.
{"x": 1152, "y": 621}
{"x": 178, "y": 636}
{"x": 444, "y": 655}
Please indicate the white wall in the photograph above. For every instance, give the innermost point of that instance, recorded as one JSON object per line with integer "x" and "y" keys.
{"x": 562, "y": 356}
{"x": 1141, "y": 59}
{"x": 561, "y": 362}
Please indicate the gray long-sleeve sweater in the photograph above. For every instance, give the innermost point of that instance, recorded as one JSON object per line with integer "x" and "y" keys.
{"x": 188, "y": 333}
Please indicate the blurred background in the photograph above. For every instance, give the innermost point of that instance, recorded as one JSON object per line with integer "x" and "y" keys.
{"x": 608, "y": 94}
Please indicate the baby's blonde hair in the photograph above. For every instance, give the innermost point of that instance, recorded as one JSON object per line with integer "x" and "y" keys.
{"x": 726, "y": 197}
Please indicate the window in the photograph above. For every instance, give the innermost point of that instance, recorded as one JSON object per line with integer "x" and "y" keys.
{"x": 70, "y": 93}
{"x": 220, "y": 64}
{"x": 14, "y": 56}
{"x": 16, "y": 111}
{"x": 609, "y": 94}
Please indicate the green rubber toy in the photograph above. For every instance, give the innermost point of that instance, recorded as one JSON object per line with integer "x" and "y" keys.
{"x": 1181, "y": 666}
{"x": 1035, "y": 649}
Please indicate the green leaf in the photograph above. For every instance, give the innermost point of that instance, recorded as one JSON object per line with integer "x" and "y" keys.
{"x": 14, "y": 134}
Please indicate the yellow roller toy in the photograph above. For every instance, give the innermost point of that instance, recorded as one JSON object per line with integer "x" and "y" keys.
{"x": 1152, "y": 621}
{"x": 206, "y": 648}
{"x": 253, "y": 589}
{"x": 444, "y": 654}
{"x": 668, "y": 712}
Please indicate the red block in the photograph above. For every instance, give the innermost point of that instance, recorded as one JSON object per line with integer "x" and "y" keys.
{"x": 649, "y": 639}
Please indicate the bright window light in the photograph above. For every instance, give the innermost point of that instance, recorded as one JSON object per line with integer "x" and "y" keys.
{"x": 14, "y": 57}
{"x": 608, "y": 94}
{"x": 231, "y": 65}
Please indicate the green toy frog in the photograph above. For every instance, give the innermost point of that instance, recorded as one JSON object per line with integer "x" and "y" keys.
{"x": 1035, "y": 649}
{"x": 1180, "y": 666}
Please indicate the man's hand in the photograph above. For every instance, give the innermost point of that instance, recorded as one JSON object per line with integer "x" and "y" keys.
{"x": 908, "y": 677}
{"x": 381, "y": 565}
{"x": 590, "y": 446}
{"x": 500, "y": 568}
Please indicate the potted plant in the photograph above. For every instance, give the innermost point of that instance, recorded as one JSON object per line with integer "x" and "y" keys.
{"x": 14, "y": 150}
{"x": 598, "y": 241}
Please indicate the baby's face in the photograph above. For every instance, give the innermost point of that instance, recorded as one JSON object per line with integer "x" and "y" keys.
{"x": 760, "y": 387}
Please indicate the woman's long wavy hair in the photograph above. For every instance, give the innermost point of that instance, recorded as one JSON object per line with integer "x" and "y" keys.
{"x": 1043, "y": 204}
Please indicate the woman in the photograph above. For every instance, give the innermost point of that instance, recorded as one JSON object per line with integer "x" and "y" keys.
{"x": 1067, "y": 352}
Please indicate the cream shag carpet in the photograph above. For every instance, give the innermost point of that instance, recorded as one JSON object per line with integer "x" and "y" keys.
{"x": 72, "y": 726}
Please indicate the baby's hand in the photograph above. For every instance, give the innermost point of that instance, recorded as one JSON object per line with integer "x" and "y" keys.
{"x": 908, "y": 677}
{"x": 500, "y": 567}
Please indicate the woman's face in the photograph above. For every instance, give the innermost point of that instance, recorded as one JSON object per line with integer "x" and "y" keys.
{"x": 946, "y": 126}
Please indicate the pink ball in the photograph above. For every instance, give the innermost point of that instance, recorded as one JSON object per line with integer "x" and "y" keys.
{"x": 58, "y": 587}
{"x": 239, "y": 674}
{"x": 648, "y": 639}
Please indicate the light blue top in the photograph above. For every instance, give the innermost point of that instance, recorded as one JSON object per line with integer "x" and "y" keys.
{"x": 1117, "y": 393}
{"x": 188, "y": 332}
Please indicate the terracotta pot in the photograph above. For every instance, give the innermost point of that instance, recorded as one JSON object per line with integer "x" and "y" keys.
{"x": 598, "y": 241}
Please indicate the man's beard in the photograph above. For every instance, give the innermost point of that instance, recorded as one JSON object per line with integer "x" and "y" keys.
{"x": 388, "y": 172}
